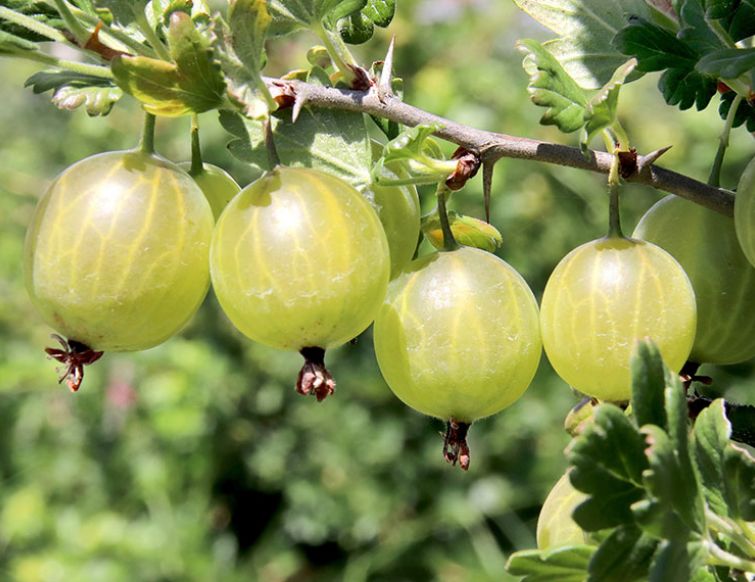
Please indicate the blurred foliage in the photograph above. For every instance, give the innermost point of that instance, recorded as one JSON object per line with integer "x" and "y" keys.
{"x": 197, "y": 461}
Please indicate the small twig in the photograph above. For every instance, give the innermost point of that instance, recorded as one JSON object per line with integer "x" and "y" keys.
{"x": 492, "y": 146}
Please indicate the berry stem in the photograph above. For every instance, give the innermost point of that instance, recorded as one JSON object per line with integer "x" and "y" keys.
{"x": 83, "y": 68}
{"x": 449, "y": 242}
{"x": 151, "y": 35}
{"x": 723, "y": 142}
{"x": 314, "y": 378}
{"x": 455, "y": 448}
{"x": 272, "y": 152}
{"x": 339, "y": 53}
{"x": 197, "y": 166}
{"x": 614, "y": 211}
{"x": 147, "y": 142}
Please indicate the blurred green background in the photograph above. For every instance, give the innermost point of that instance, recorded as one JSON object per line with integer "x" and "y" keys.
{"x": 197, "y": 461}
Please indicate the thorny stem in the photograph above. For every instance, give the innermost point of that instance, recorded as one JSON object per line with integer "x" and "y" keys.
{"x": 492, "y": 146}
{"x": 30, "y": 24}
{"x": 74, "y": 26}
{"x": 449, "y": 242}
{"x": 723, "y": 142}
{"x": 197, "y": 167}
{"x": 455, "y": 447}
{"x": 314, "y": 377}
{"x": 147, "y": 141}
{"x": 83, "y": 68}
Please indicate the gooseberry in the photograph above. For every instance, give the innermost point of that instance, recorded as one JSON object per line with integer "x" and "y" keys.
{"x": 555, "y": 525}
{"x": 744, "y": 212}
{"x": 218, "y": 186}
{"x": 604, "y": 296}
{"x": 458, "y": 339}
{"x": 299, "y": 261}
{"x": 116, "y": 255}
{"x": 705, "y": 244}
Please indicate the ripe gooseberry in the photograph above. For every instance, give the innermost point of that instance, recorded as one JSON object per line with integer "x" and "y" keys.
{"x": 116, "y": 255}
{"x": 299, "y": 261}
{"x": 744, "y": 212}
{"x": 705, "y": 244}
{"x": 604, "y": 296}
{"x": 458, "y": 339}
{"x": 218, "y": 186}
{"x": 555, "y": 525}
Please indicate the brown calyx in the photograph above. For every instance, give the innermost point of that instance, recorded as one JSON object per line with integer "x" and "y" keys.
{"x": 455, "y": 448}
{"x": 74, "y": 355}
{"x": 314, "y": 377}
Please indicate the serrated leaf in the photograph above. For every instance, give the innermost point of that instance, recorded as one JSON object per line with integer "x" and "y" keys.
{"x": 710, "y": 440}
{"x": 191, "y": 84}
{"x": 737, "y": 16}
{"x": 124, "y": 11}
{"x": 551, "y": 87}
{"x": 696, "y": 31}
{"x": 739, "y": 482}
{"x": 624, "y": 556}
{"x": 248, "y": 21}
{"x": 600, "y": 111}
{"x": 656, "y": 49}
{"x": 609, "y": 460}
{"x": 72, "y": 90}
{"x": 419, "y": 154}
{"x": 333, "y": 141}
{"x": 745, "y": 114}
{"x": 289, "y": 16}
{"x": 587, "y": 28}
{"x": 727, "y": 63}
{"x": 359, "y": 26}
{"x": 677, "y": 561}
{"x": 648, "y": 384}
{"x": 564, "y": 564}
{"x": 95, "y": 100}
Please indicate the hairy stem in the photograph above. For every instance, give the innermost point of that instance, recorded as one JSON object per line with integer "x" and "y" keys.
{"x": 116, "y": 35}
{"x": 723, "y": 142}
{"x": 78, "y": 31}
{"x": 338, "y": 51}
{"x": 147, "y": 142}
{"x": 31, "y": 24}
{"x": 492, "y": 146}
{"x": 151, "y": 35}
{"x": 449, "y": 242}
{"x": 197, "y": 167}
{"x": 83, "y": 68}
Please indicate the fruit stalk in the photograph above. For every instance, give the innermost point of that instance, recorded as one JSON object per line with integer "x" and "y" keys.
{"x": 197, "y": 166}
{"x": 449, "y": 242}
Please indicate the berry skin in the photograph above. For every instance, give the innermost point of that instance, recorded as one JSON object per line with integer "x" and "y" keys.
{"x": 116, "y": 255}
{"x": 744, "y": 212}
{"x": 705, "y": 244}
{"x": 603, "y": 297}
{"x": 218, "y": 186}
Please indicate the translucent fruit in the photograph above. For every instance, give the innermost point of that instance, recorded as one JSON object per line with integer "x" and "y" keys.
{"x": 705, "y": 244}
{"x": 604, "y": 296}
{"x": 744, "y": 212}
{"x": 218, "y": 186}
{"x": 117, "y": 251}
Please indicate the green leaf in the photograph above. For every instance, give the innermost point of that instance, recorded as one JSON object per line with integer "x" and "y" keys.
{"x": 608, "y": 459}
{"x": 745, "y": 114}
{"x": 551, "y": 87}
{"x": 710, "y": 440}
{"x": 737, "y": 16}
{"x": 600, "y": 111}
{"x": 125, "y": 12}
{"x": 359, "y": 26}
{"x": 624, "y": 556}
{"x": 191, "y": 84}
{"x": 333, "y": 141}
{"x": 727, "y": 63}
{"x": 696, "y": 31}
{"x": 587, "y": 28}
{"x": 289, "y": 16}
{"x": 73, "y": 90}
{"x": 248, "y": 21}
{"x": 677, "y": 561}
{"x": 657, "y": 49}
{"x": 648, "y": 384}
{"x": 739, "y": 482}
{"x": 564, "y": 564}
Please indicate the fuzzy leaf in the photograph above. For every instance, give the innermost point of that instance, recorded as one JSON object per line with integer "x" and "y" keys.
{"x": 624, "y": 556}
{"x": 657, "y": 49}
{"x": 727, "y": 63}
{"x": 600, "y": 111}
{"x": 289, "y": 16}
{"x": 737, "y": 16}
{"x": 359, "y": 26}
{"x": 551, "y": 87}
{"x": 37, "y": 10}
{"x": 333, "y": 141}
{"x": 248, "y": 21}
{"x": 587, "y": 28}
{"x": 192, "y": 84}
{"x": 677, "y": 561}
{"x": 564, "y": 564}
{"x": 648, "y": 384}
{"x": 609, "y": 460}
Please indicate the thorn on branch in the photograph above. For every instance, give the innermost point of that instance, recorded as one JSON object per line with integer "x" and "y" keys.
{"x": 384, "y": 88}
{"x": 627, "y": 163}
{"x": 284, "y": 95}
{"x": 649, "y": 159}
{"x": 468, "y": 163}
